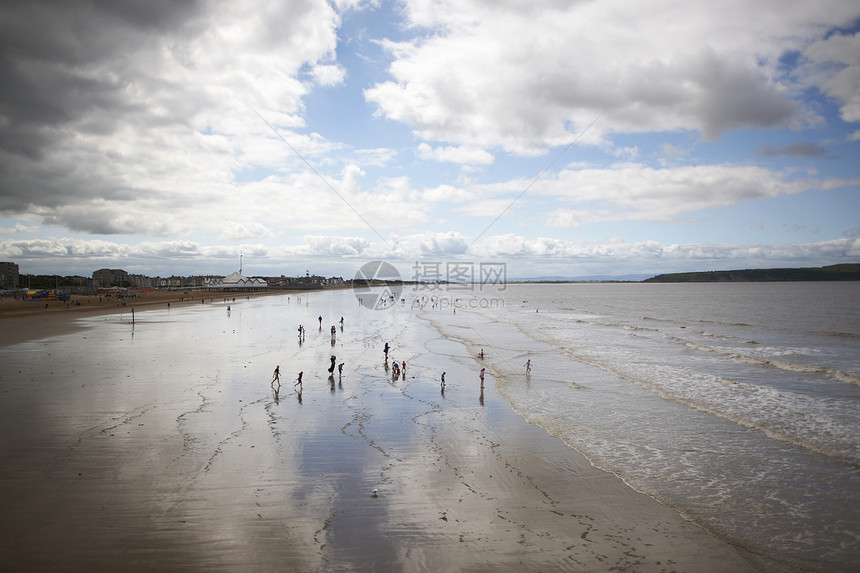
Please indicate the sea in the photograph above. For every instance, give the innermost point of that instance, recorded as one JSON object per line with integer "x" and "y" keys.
{"x": 736, "y": 404}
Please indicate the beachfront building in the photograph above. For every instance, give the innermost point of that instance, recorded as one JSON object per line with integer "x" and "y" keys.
{"x": 104, "y": 278}
{"x": 238, "y": 281}
{"x": 8, "y": 276}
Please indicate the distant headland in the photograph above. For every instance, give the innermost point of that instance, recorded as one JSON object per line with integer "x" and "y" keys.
{"x": 843, "y": 272}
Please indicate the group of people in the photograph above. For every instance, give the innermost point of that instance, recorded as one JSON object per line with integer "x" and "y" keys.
{"x": 397, "y": 368}
{"x": 276, "y": 378}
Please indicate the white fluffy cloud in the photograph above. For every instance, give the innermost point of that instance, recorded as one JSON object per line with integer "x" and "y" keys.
{"x": 637, "y": 192}
{"x": 343, "y": 255}
{"x": 480, "y": 76}
{"x": 456, "y": 154}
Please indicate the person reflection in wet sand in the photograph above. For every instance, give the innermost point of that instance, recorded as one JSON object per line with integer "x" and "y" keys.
{"x": 481, "y": 398}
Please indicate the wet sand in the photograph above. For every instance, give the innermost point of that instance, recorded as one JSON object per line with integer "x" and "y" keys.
{"x": 163, "y": 447}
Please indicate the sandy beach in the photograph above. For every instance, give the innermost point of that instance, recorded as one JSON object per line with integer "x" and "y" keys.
{"x": 162, "y": 447}
{"x": 30, "y": 320}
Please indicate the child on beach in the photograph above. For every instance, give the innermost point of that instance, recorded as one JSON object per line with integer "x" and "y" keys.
{"x": 528, "y": 366}
{"x": 443, "y": 381}
{"x": 299, "y": 382}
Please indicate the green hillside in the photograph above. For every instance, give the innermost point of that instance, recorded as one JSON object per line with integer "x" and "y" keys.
{"x": 843, "y": 272}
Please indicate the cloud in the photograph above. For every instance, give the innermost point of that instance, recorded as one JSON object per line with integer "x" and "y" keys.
{"x": 455, "y": 154}
{"x": 635, "y": 192}
{"x": 343, "y": 254}
{"x": 328, "y": 75}
{"x": 335, "y": 246}
{"x": 654, "y": 256}
{"x": 447, "y": 193}
{"x": 235, "y": 230}
{"x": 378, "y": 157}
{"x": 837, "y": 70}
{"x": 18, "y": 228}
{"x": 797, "y": 149}
{"x": 474, "y": 75}
{"x": 194, "y": 123}
{"x": 108, "y": 103}
{"x": 629, "y": 192}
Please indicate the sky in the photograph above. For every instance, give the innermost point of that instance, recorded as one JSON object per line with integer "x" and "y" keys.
{"x": 555, "y": 138}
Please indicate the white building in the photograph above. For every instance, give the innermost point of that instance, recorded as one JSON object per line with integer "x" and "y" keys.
{"x": 238, "y": 281}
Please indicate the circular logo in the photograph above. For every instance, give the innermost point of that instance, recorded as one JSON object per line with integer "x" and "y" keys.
{"x": 377, "y": 285}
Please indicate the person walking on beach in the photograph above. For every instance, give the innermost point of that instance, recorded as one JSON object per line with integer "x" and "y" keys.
{"x": 481, "y": 376}
{"x": 528, "y": 366}
{"x": 331, "y": 368}
{"x": 385, "y": 350}
{"x": 340, "y": 371}
{"x": 443, "y": 381}
{"x": 276, "y": 377}
{"x": 320, "y": 319}
{"x": 299, "y": 385}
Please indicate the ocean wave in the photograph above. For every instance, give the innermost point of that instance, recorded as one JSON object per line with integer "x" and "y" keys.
{"x": 834, "y": 373}
{"x": 638, "y": 328}
{"x": 801, "y": 428}
{"x": 846, "y": 377}
{"x": 836, "y": 334}
{"x": 839, "y": 375}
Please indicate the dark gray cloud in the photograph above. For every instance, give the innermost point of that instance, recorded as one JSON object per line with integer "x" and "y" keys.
{"x": 107, "y": 103}
{"x": 63, "y": 60}
{"x": 796, "y": 149}
{"x": 67, "y": 68}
